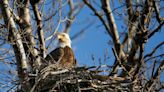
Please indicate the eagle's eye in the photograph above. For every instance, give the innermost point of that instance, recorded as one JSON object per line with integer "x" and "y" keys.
{"x": 63, "y": 35}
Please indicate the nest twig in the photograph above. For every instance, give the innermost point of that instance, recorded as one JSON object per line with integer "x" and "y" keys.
{"x": 80, "y": 79}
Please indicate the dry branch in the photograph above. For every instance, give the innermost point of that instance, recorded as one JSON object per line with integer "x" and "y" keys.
{"x": 98, "y": 15}
{"x": 149, "y": 85}
{"x": 39, "y": 29}
{"x": 26, "y": 31}
{"x": 17, "y": 44}
{"x": 80, "y": 78}
{"x": 70, "y": 16}
{"x": 111, "y": 21}
{"x": 154, "y": 50}
{"x": 156, "y": 30}
{"x": 129, "y": 8}
{"x": 156, "y": 7}
{"x": 13, "y": 30}
{"x": 111, "y": 27}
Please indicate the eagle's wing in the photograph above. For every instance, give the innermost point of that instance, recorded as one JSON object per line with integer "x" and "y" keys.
{"x": 64, "y": 57}
{"x": 55, "y": 55}
{"x": 68, "y": 59}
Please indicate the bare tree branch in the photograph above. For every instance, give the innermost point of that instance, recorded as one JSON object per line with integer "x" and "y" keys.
{"x": 154, "y": 50}
{"x": 99, "y": 16}
{"x": 118, "y": 61}
{"x": 156, "y": 30}
{"x": 12, "y": 29}
{"x": 39, "y": 29}
{"x": 152, "y": 81}
{"x": 71, "y": 16}
{"x": 158, "y": 17}
{"x": 145, "y": 16}
{"x": 17, "y": 45}
{"x": 153, "y": 69}
{"x": 157, "y": 56}
{"x": 114, "y": 33}
{"x": 111, "y": 21}
{"x": 132, "y": 22}
{"x": 26, "y": 29}
{"x": 129, "y": 8}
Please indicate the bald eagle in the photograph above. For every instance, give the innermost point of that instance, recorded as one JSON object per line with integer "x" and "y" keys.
{"x": 63, "y": 54}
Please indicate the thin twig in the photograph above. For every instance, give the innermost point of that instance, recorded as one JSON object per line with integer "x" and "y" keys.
{"x": 99, "y": 16}
{"x": 154, "y": 50}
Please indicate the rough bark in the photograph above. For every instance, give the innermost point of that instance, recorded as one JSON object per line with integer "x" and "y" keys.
{"x": 16, "y": 42}
{"x": 39, "y": 29}
{"x": 26, "y": 30}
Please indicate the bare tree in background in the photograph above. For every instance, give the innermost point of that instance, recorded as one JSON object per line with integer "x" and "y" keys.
{"x": 27, "y": 32}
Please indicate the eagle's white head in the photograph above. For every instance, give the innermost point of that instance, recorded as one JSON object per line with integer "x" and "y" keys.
{"x": 63, "y": 40}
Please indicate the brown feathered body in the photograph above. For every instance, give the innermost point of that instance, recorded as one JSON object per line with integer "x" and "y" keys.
{"x": 64, "y": 56}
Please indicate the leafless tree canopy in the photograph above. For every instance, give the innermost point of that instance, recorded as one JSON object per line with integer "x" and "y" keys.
{"x": 27, "y": 29}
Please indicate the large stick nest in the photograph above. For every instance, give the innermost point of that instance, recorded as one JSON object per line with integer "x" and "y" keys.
{"x": 80, "y": 79}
